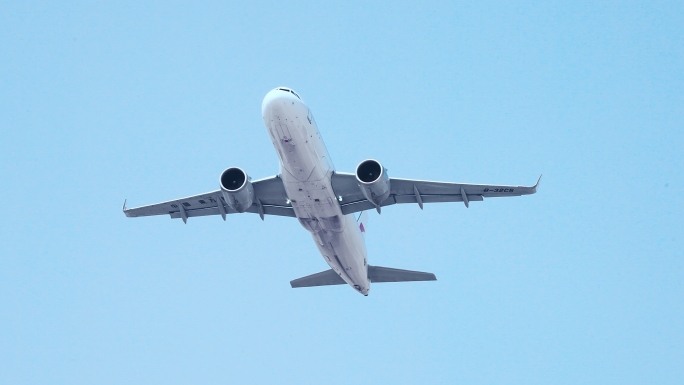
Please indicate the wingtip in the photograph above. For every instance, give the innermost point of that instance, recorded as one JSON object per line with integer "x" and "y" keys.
{"x": 538, "y": 180}
{"x": 123, "y": 209}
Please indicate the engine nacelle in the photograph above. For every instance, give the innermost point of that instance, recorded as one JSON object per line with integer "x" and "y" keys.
{"x": 237, "y": 189}
{"x": 373, "y": 180}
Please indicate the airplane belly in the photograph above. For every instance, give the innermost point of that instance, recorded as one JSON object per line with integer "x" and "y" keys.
{"x": 345, "y": 252}
{"x": 306, "y": 172}
{"x": 293, "y": 140}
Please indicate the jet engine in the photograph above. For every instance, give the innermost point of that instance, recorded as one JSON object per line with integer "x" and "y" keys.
{"x": 237, "y": 189}
{"x": 373, "y": 180}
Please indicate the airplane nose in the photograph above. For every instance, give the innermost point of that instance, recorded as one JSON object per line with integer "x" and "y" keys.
{"x": 277, "y": 99}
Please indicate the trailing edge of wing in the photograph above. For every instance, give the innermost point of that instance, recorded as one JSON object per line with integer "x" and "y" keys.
{"x": 283, "y": 211}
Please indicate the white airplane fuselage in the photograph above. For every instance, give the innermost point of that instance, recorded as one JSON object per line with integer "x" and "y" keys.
{"x": 306, "y": 171}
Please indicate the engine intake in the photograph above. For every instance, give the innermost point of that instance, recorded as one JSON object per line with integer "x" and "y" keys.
{"x": 237, "y": 189}
{"x": 373, "y": 180}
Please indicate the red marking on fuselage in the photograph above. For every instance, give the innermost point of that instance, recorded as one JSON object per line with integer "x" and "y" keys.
{"x": 362, "y": 229}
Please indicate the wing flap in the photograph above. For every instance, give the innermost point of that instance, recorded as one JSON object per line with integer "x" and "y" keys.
{"x": 435, "y": 198}
{"x": 281, "y": 211}
{"x": 362, "y": 205}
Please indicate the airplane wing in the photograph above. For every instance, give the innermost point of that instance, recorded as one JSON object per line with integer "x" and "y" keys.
{"x": 420, "y": 192}
{"x": 270, "y": 194}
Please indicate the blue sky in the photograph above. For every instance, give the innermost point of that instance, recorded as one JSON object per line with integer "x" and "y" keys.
{"x": 580, "y": 283}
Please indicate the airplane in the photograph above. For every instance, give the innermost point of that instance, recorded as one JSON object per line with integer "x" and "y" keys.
{"x": 323, "y": 200}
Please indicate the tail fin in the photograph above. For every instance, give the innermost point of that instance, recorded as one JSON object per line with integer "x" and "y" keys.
{"x": 362, "y": 222}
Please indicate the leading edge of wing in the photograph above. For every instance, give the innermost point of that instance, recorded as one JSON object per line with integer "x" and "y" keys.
{"x": 193, "y": 202}
{"x": 401, "y": 186}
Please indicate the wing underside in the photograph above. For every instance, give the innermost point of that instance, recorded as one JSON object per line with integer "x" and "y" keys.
{"x": 272, "y": 198}
{"x": 421, "y": 191}
{"x": 269, "y": 191}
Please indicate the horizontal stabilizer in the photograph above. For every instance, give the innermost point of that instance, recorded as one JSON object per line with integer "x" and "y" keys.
{"x": 324, "y": 278}
{"x": 376, "y": 274}
{"x": 386, "y": 274}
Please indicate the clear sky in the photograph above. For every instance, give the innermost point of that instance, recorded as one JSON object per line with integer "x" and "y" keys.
{"x": 581, "y": 283}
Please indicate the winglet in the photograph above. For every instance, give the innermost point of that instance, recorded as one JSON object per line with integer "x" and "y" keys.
{"x": 124, "y": 208}
{"x": 537, "y": 185}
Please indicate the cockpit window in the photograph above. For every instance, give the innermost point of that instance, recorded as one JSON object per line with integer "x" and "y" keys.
{"x": 290, "y": 91}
